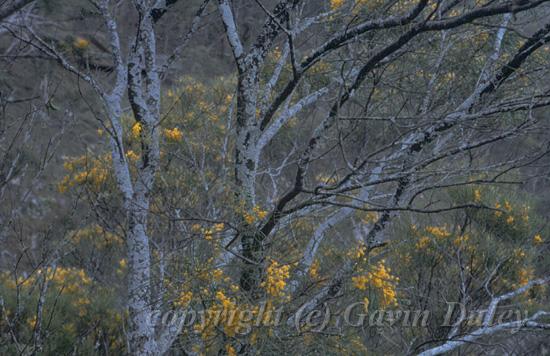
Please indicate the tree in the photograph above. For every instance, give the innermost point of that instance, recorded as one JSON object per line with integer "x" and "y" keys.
{"x": 345, "y": 116}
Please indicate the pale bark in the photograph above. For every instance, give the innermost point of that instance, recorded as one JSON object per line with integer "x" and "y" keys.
{"x": 489, "y": 328}
{"x": 12, "y": 7}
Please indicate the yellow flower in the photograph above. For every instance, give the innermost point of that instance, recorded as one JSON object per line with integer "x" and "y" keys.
{"x": 498, "y": 213}
{"x": 32, "y": 321}
{"x": 439, "y": 232}
{"x": 81, "y": 43}
{"x": 314, "y": 270}
{"x": 174, "y": 134}
{"x": 519, "y": 253}
{"x": 249, "y": 218}
{"x": 256, "y": 214}
{"x": 510, "y": 220}
{"x": 524, "y": 276}
{"x": 477, "y": 195}
{"x": 360, "y": 282}
{"x": 381, "y": 279}
{"x": 230, "y": 350}
{"x": 132, "y": 156}
{"x": 217, "y": 274}
{"x": 357, "y": 252}
{"x": 422, "y": 243}
{"x": 537, "y": 239}
{"x": 507, "y": 206}
{"x": 259, "y": 212}
{"x": 184, "y": 299}
{"x": 277, "y": 53}
{"x": 449, "y": 76}
{"x": 136, "y": 130}
{"x": 208, "y": 234}
{"x": 336, "y": 4}
{"x": 460, "y": 240}
{"x": 276, "y": 279}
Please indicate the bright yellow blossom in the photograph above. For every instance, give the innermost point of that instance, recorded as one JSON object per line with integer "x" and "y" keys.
{"x": 184, "y": 299}
{"x": 336, "y": 4}
{"x": 136, "y": 130}
{"x": 381, "y": 279}
{"x": 81, "y": 43}
{"x": 174, "y": 134}
{"x": 276, "y": 279}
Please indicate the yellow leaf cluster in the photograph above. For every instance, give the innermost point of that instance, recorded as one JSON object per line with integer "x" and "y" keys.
{"x": 256, "y": 214}
{"x": 276, "y": 278}
{"x": 83, "y": 170}
{"x": 81, "y": 43}
{"x": 136, "y": 130}
{"x": 438, "y": 232}
{"x": 336, "y": 4}
{"x": 183, "y": 299}
{"x": 381, "y": 279}
{"x": 174, "y": 135}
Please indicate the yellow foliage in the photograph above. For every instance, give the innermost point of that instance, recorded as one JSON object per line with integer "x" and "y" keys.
{"x": 461, "y": 240}
{"x": 477, "y": 195}
{"x": 174, "y": 135}
{"x": 81, "y": 43}
{"x": 67, "y": 279}
{"x": 136, "y": 130}
{"x": 507, "y": 206}
{"x": 183, "y": 299}
{"x": 422, "y": 243}
{"x": 256, "y": 214}
{"x": 230, "y": 350}
{"x": 217, "y": 274}
{"x": 381, "y": 280}
{"x": 498, "y": 213}
{"x": 219, "y": 227}
{"x": 32, "y": 321}
{"x": 132, "y": 156}
{"x": 336, "y": 4}
{"x": 96, "y": 235}
{"x": 314, "y": 270}
{"x": 524, "y": 276}
{"x": 439, "y": 232}
{"x": 276, "y": 279}
{"x": 84, "y": 170}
